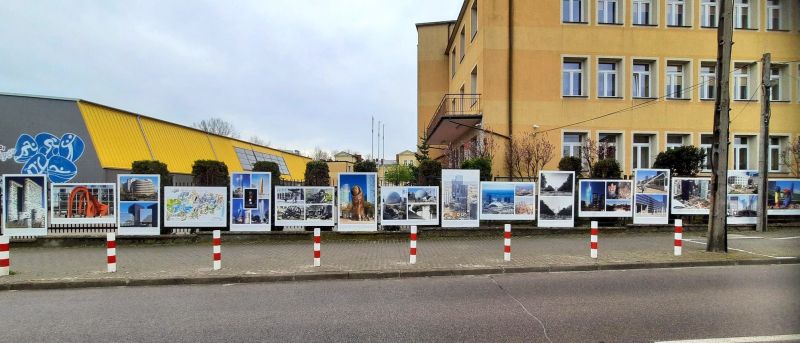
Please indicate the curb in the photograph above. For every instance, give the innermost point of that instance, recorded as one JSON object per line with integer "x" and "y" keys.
{"x": 370, "y": 275}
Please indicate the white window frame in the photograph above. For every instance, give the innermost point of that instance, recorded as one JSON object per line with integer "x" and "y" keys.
{"x": 473, "y": 84}
{"x": 749, "y": 147}
{"x": 636, "y": 149}
{"x": 782, "y": 141}
{"x": 570, "y": 11}
{"x": 463, "y": 43}
{"x": 619, "y": 145}
{"x": 708, "y": 85}
{"x": 652, "y": 15}
{"x": 770, "y": 16}
{"x": 686, "y": 139}
{"x": 783, "y": 86}
{"x": 738, "y": 21}
{"x": 603, "y": 18}
{"x": 673, "y": 15}
{"x": 742, "y": 75}
{"x": 574, "y": 148}
{"x": 584, "y": 70}
{"x": 708, "y": 149}
{"x": 602, "y": 76}
{"x": 709, "y": 18}
{"x": 680, "y": 77}
{"x": 453, "y": 63}
{"x": 474, "y": 20}
{"x": 651, "y": 74}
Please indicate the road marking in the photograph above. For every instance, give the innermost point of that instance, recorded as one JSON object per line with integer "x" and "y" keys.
{"x": 780, "y": 238}
{"x": 745, "y": 251}
{"x": 751, "y": 339}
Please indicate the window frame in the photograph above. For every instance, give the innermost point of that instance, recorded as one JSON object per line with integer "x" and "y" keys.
{"x": 750, "y": 146}
{"x": 738, "y": 75}
{"x": 582, "y": 11}
{"x": 619, "y": 66}
{"x": 705, "y": 13}
{"x": 686, "y": 8}
{"x": 584, "y": 72}
{"x": 474, "y": 20}
{"x": 583, "y": 135}
{"x": 703, "y": 87}
{"x": 652, "y": 74}
{"x": 619, "y": 12}
{"x": 619, "y": 145}
{"x": 740, "y": 24}
{"x": 709, "y": 149}
{"x": 652, "y": 146}
{"x": 769, "y": 17}
{"x": 686, "y": 139}
{"x": 783, "y": 140}
{"x": 652, "y": 14}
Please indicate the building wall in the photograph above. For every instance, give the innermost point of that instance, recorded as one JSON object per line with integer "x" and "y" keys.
{"x": 541, "y": 41}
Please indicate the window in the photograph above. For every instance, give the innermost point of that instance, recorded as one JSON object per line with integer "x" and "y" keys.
{"x": 608, "y": 12}
{"x": 776, "y": 91}
{"x": 741, "y": 82}
{"x": 642, "y": 79}
{"x": 572, "y": 11}
{"x": 572, "y": 144}
{"x": 608, "y": 146}
{"x": 741, "y": 14}
{"x": 463, "y": 45}
{"x": 643, "y": 12}
{"x": 572, "y": 77}
{"x": 708, "y": 80}
{"x": 706, "y": 146}
{"x": 675, "y": 140}
{"x": 453, "y": 63}
{"x": 710, "y": 10}
{"x": 249, "y": 157}
{"x": 676, "y": 15}
{"x": 774, "y": 14}
{"x": 775, "y": 146}
{"x": 741, "y": 152}
{"x": 473, "y": 85}
{"x": 641, "y": 150}
{"x": 474, "y": 19}
{"x": 676, "y": 80}
{"x": 607, "y": 79}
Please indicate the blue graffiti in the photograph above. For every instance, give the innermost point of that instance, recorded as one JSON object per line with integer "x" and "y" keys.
{"x": 48, "y": 154}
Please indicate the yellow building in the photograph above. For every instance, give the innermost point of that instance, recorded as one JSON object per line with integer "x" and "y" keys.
{"x": 507, "y": 68}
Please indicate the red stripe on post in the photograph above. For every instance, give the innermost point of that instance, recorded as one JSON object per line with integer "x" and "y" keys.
{"x": 413, "y": 236}
{"x": 3, "y": 247}
{"x": 678, "y": 229}
{"x": 218, "y": 256}
{"x": 595, "y": 232}
{"x": 413, "y": 251}
{"x": 678, "y": 242}
{"x": 594, "y": 245}
{"x": 5, "y": 263}
{"x": 316, "y": 254}
{"x": 111, "y": 244}
{"x": 507, "y": 234}
{"x": 316, "y": 239}
{"x": 507, "y": 248}
{"x": 112, "y": 259}
{"x": 217, "y": 241}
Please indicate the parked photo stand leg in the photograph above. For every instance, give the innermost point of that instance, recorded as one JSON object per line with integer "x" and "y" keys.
{"x": 412, "y": 258}
{"x": 678, "y": 237}
{"x": 217, "y": 249}
{"x": 5, "y": 260}
{"x": 317, "y": 253}
{"x": 507, "y": 243}
{"x": 111, "y": 252}
{"x": 593, "y": 240}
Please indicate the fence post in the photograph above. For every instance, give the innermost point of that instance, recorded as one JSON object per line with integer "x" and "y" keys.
{"x": 593, "y": 240}
{"x": 317, "y": 242}
{"x": 507, "y": 243}
{"x": 111, "y": 252}
{"x": 678, "y": 237}
{"x": 217, "y": 249}
{"x": 5, "y": 260}
{"x": 413, "y": 245}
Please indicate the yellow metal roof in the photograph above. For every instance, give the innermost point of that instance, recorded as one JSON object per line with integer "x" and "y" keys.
{"x": 122, "y": 137}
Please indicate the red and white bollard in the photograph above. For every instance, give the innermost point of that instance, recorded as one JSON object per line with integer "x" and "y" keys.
{"x": 593, "y": 240}
{"x": 317, "y": 242}
{"x": 678, "y": 237}
{"x": 217, "y": 249}
{"x": 507, "y": 243}
{"x": 111, "y": 252}
{"x": 5, "y": 261}
{"x": 412, "y": 257}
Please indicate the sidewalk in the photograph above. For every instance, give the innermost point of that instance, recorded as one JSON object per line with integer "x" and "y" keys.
{"x": 274, "y": 260}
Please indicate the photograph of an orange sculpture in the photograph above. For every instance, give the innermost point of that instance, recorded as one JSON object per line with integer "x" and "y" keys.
{"x": 87, "y": 205}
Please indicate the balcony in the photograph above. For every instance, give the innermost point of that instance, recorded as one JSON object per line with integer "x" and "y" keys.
{"x": 456, "y": 114}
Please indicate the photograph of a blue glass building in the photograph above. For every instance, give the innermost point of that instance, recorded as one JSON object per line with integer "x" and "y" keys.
{"x": 691, "y": 195}
{"x": 25, "y": 205}
{"x": 651, "y": 196}
{"x": 605, "y": 198}
{"x": 556, "y": 198}
{"x": 507, "y": 201}
{"x": 139, "y": 204}
{"x": 783, "y": 197}
{"x": 357, "y": 202}
{"x": 88, "y": 203}
{"x": 460, "y": 193}
{"x": 250, "y": 194}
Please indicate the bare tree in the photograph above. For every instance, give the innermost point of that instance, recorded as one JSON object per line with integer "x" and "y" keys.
{"x": 257, "y": 140}
{"x": 320, "y": 155}
{"x": 590, "y": 152}
{"x": 530, "y": 152}
{"x": 217, "y": 126}
{"x": 790, "y": 157}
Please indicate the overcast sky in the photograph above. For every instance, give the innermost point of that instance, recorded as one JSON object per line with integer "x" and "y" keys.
{"x": 299, "y": 74}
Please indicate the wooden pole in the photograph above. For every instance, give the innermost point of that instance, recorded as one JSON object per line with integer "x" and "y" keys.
{"x": 763, "y": 143}
{"x": 717, "y": 224}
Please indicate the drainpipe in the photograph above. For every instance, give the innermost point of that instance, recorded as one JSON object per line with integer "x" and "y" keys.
{"x": 510, "y": 86}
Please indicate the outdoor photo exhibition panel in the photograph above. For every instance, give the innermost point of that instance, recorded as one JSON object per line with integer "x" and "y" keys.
{"x": 304, "y": 206}
{"x": 414, "y": 205}
{"x": 138, "y": 199}
{"x": 556, "y": 199}
{"x": 691, "y": 195}
{"x": 651, "y": 196}
{"x": 357, "y": 202}
{"x": 783, "y": 197}
{"x": 250, "y": 201}
{"x": 460, "y": 188}
{"x": 742, "y": 196}
{"x": 195, "y": 207}
{"x": 508, "y": 201}
{"x": 83, "y": 204}
{"x": 24, "y": 205}
{"x": 605, "y": 198}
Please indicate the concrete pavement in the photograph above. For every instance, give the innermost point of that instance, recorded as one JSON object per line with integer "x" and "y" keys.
{"x": 242, "y": 261}
{"x": 607, "y": 306}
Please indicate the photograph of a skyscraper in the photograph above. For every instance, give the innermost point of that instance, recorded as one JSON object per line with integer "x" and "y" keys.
{"x": 742, "y": 205}
{"x": 691, "y": 195}
{"x": 25, "y": 202}
{"x": 556, "y": 184}
{"x": 649, "y": 181}
{"x": 138, "y": 214}
{"x": 497, "y": 198}
{"x": 593, "y": 196}
{"x": 555, "y": 208}
{"x": 138, "y": 188}
{"x": 651, "y": 205}
{"x": 461, "y": 199}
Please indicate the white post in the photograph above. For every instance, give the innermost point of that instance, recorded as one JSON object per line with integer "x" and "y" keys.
{"x": 5, "y": 260}
{"x": 111, "y": 252}
{"x": 678, "y": 237}
{"x": 317, "y": 253}
{"x": 217, "y": 249}
{"x": 593, "y": 240}
{"x": 507, "y": 243}
{"x": 412, "y": 259}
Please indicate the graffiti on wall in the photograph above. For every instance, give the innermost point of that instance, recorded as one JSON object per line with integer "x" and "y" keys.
{"x": 47, "y": 154}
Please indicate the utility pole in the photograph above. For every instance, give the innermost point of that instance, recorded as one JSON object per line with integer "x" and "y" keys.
{"x": 372, "y": 139}
{"x": 717, "y": 240}
{"x": 384, "y": 143}
{"x": 378, "y": 157}
{"x": 763, "y": 143}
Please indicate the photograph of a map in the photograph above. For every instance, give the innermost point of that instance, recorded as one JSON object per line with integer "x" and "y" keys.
{"x": 195, "y": 206}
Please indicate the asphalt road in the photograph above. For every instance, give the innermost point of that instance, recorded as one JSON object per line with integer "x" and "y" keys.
{"x": 608, "y": 306}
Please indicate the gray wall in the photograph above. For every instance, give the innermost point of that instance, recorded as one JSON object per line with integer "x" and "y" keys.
{"x": 31, "y": 115}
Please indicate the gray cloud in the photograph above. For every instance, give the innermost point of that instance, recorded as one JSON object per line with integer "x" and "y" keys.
{"x": 296, "y": 73}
